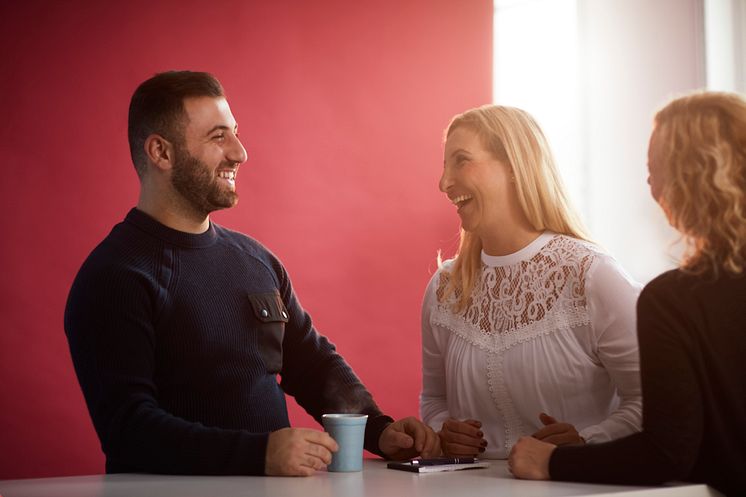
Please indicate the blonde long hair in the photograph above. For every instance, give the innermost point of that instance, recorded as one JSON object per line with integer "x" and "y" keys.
{"x": 513, "y": 136}
{"x": 703, "y": 161}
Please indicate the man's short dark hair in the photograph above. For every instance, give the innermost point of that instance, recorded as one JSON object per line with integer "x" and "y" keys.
{"x": 157, "y": 106}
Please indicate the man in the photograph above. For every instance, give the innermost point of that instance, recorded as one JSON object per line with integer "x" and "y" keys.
{"x": 179, "y": 327}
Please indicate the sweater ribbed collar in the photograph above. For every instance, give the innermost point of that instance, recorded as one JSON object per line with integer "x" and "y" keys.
{"x": 170, "y": 235}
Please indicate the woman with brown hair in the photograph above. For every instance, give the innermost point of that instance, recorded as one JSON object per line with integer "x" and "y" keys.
{"x": 691, "y": 320}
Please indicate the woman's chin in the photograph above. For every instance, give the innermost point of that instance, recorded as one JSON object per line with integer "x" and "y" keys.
{"x": 469, "y": 225}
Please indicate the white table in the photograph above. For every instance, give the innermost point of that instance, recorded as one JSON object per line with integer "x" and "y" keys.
{"x": 374, "y": 481}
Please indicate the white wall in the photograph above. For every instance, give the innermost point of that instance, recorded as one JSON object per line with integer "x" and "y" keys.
{"x": 593, "y": 72}
{"x": 725, "y": 41}
{"x": 634, "y": 55}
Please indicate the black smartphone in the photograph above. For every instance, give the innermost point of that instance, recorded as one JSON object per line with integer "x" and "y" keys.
{"x": 438, "y": 464}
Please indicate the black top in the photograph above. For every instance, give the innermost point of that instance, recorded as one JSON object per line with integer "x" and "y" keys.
{"x": 177, "y": 340}
{"x": 692, "y": 334}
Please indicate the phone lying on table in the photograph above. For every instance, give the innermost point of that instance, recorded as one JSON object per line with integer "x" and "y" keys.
{"x": 438, "y": 464}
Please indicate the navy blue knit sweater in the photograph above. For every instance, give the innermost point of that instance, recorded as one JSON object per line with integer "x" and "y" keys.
{"x": 177, "y": 340}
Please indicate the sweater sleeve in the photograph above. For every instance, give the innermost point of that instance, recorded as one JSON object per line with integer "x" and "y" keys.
{"x": 672, "y": 419}
{"x": 317, "y": 376}
{"x": 612, "y": 296}
{"x": 109, "y": 324}
{"x": 433, "y": 399}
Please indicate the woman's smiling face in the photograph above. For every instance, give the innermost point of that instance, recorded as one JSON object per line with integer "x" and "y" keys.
{"x": 476, "y": 182}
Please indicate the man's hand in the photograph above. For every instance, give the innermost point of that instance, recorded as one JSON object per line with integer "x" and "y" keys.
{"x": 408, "y": 438}
{"x": 298, "y": 452}
{"x": 462, "y": 438}
{"x": 557, "y": 433}
{"x": 529, "y": 459}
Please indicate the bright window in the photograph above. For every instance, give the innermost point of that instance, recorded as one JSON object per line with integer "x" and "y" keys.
{"x": 536, "y": 69}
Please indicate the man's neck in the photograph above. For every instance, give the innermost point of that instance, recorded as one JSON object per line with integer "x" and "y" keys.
{"x": 185, "y": 220}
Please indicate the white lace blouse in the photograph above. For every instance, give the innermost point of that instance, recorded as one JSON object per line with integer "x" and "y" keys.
{"x": 550, "y": 328}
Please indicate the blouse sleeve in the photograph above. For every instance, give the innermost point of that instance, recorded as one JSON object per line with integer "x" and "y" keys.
{"x": 667, "y": 448}
{"x": 433, "y": 404}
{"x": 612, "y": 297}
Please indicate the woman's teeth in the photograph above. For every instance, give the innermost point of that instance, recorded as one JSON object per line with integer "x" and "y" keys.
{"x": 460, "y": 199}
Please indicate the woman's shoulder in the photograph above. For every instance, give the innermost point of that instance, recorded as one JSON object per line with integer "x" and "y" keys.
{"x": 667, "y": 279}
{"x": 679, "y": 283}
{"x": 571, "y": 252}
{"x": 436, "y": 287}
{"x": 442, "y": 274}
{"x": 445, "y": 266}
{"x": 595, "y": 265}
{"x": 570, "y": 244}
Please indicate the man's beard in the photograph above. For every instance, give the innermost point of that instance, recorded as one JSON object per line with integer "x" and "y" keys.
{"x": 194, "y": 180}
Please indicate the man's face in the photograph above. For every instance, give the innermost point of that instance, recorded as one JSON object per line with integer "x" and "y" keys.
{"x": 206, "y": 162}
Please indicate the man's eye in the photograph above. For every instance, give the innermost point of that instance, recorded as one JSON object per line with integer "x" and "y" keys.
{"x": 219, "y": 137}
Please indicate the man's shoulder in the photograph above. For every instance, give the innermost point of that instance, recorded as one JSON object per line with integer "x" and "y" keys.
{"x": 247, "y": 245}
{"x": 114, "y": 271}
{"x": 238, "y": 239}
{"x": 121, "y": 249}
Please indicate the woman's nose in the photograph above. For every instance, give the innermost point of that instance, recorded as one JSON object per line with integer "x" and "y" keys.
{"x": 445, "y": 181}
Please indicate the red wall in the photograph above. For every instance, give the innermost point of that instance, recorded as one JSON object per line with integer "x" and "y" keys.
{"x": 341, "y": 106}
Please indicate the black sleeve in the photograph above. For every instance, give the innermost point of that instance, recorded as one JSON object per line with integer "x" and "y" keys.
{"x": 317, "y": 376}
{"x": 109, "y": 324}
{"x": 667, "y": 447}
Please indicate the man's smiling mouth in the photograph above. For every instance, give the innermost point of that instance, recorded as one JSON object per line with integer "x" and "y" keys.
{"x": 229, "y": 175}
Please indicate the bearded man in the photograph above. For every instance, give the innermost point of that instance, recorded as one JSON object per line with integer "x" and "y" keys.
{"x": 178, "y": 328}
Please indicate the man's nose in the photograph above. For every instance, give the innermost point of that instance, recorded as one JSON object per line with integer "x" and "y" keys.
{"x": 236, "y": 152}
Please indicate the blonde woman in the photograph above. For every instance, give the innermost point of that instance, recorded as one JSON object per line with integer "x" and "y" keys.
{"x": 691, "y": 321}
{"x": 530, "y": 329}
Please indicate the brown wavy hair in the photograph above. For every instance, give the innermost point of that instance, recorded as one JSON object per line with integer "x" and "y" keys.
{"x": 704, "y": 162}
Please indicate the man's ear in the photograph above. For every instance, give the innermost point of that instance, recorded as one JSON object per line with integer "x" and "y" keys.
{"x": 160, "y": 152}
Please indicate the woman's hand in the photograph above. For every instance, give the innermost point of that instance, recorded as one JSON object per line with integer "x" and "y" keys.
{"x": 529, "y": 459}
{"x": 462, "y": 438}
{"x": 557, "y": 433}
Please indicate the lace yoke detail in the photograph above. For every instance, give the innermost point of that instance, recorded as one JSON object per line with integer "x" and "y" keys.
{"x": 518, "y": 303}
{"x": 525, "y": 299}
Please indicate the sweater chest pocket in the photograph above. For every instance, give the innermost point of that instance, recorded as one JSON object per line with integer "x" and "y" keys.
{"x": 271, "y": 314}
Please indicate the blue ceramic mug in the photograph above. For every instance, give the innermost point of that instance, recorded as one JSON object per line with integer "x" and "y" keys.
{"x": 348, "y": 430}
